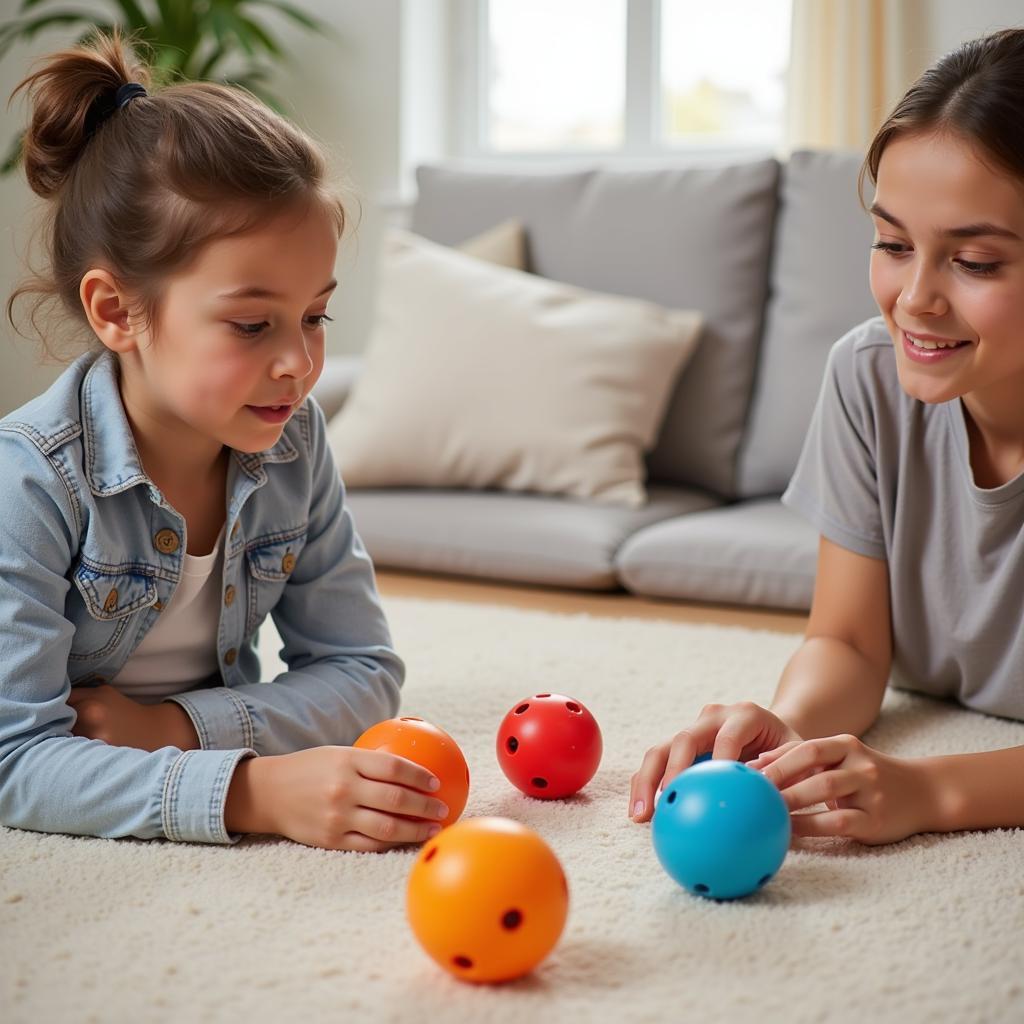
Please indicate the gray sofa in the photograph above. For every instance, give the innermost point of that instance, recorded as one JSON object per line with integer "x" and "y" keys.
{"x": 776, "y": 258}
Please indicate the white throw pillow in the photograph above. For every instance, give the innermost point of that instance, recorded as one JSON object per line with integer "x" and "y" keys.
{"x": 487, "y": 377}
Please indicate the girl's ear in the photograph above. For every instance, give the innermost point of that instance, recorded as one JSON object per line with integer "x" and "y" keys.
{"x": 106, "y": 306}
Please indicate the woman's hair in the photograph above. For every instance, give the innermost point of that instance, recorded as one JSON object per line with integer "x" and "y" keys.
{"x": 976, "y": 92}
{"x": 139, "y": 192}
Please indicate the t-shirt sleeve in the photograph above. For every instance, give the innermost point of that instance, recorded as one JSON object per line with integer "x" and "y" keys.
{"x": 835, "y": 485}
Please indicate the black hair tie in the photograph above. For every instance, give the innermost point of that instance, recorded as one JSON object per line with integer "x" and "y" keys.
{"x": 107, "y": 104}
{"x": 127, "y": 92}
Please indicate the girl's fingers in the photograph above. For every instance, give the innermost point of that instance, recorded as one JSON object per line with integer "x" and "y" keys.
{"x": 379, "y": 766}
{"x": 359, "y": 843}
{"x": 391, "y": 830}
{"x": 826, "y": 823}
{"x": 391, "y": 799}
{"x": 820, "y": 788}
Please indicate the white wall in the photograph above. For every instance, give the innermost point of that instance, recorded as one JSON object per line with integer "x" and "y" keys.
{"x": 380, "y": 101}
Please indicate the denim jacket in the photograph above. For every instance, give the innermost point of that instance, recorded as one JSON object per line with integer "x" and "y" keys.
{"x": 90, "y": 552}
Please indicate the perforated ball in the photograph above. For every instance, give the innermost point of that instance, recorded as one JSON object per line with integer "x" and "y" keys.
{"x": 549, "y": 745}
{"x": 721, "y": 829}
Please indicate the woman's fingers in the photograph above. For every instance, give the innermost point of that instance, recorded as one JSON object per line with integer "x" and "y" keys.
{"x": 826, "y": 823}
{"x": 807, "y": 758}
{"x": 821, "y": 788}
{"x": 771, "y": 756}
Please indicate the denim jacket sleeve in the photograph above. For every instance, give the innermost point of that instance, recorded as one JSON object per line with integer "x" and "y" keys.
{"x": 343, "y": 675}
{"x": 50, "y": 780}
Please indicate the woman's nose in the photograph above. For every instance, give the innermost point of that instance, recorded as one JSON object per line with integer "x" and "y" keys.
{"x": 921, "y": 294}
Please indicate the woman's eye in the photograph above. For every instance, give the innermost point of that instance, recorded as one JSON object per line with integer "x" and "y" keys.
{"x": 981, "y": 269}
{"x": 320, "y": 319}
{"x": 893, "y": 248}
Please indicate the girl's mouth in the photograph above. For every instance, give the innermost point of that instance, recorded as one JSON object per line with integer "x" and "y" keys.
{"x": 271, "y": 413}
{"x": 928, "y": 351}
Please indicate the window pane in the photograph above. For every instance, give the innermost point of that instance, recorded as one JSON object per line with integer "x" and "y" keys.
{"x": 723, "y": 69}
{"x": 557, "y": 74}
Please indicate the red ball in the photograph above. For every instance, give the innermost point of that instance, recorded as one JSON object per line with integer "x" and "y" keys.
{"x": 549, "y": 746}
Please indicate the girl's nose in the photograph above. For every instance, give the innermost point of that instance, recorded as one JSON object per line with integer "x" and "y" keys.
{"x": 294, "y": 360}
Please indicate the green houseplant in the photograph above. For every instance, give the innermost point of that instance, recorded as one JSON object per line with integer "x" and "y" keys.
{"x": 206, "y": 40}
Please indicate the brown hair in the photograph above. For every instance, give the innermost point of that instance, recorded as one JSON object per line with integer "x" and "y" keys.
{"x": 975, "y": 93}
{"x": 141, "y": 192}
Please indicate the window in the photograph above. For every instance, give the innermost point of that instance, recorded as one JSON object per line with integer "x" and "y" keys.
{"x": 622, "y": 77}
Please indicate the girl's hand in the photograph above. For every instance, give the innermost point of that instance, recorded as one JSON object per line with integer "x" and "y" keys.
{"x": 104, "y": 713}
{"x": 338, "y": 798}
{"x": 870, "y": 796}
{"x": 735, "y": 731}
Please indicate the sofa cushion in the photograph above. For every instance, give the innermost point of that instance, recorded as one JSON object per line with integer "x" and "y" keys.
{"x": 483, "y": 376}
{"x": 753, "y": 552}
{"x": 518, "y": 537}
{"x": 691, "y": 238}
{"x": 819, "y": 291}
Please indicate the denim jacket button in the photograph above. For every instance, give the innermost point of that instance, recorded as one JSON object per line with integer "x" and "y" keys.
{"x": 288, "y": 562}
{"x": 229, "y": 656}
{"x": 110, "y": 605}
{"x": 234, "y": 530}
{"x": 229, "y": 595}
{"x": 166, "y": 541}
{"x": 159, "y": 606}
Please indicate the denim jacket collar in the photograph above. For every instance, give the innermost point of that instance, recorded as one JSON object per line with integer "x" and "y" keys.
{"x": 112, "y": 462}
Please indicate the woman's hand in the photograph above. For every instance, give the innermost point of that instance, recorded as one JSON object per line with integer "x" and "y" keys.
{"x": 104, "y": 713}
{"x": 338, "y": 798}
{"x": 871, "y": 797}
{"x": 734, "y": 731}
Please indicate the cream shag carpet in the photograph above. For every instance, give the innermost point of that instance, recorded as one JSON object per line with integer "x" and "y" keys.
{"x": 927, "y": 930}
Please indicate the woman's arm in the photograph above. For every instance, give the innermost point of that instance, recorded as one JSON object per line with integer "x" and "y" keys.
{"x": 975, "y": 791}
{"x": 836, "y": 680}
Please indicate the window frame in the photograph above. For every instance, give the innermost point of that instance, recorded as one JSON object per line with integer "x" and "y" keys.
{"x": 643, "y": 140}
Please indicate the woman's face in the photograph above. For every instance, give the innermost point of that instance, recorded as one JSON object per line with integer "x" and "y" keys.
{"x": 947, "y": 270}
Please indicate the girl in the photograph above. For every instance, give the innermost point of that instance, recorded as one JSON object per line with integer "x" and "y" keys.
{"x": 173, "y": 487}
{"x": 912, "y": 473}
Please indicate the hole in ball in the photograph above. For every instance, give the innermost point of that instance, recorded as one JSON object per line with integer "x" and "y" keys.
{"x": 671, "y": 798}
{"x": 431, "y": 854}
{"x": 539, "y": 783}
{"x": 574, "y": 708}
{"x": 521, "y": 708}
{"x": 543, "y": 694}
{"x": 462, "y": 961}
{"x": 410, "y": 719}
{"x": 512, "y": 920}
{"x": 512, "y": 744}
{"x": 701, "y": 888}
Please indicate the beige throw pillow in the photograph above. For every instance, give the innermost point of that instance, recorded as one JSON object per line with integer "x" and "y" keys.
{"x": 486, "y": 377}
{"x": 503, "y": 245}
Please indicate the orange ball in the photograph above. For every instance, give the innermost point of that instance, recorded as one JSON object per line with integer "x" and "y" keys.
{"x": 431, "y": 748}
{"x": 487, "y": 899}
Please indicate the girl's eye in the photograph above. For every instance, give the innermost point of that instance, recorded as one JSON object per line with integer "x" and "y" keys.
{"x": 255, "y": 330}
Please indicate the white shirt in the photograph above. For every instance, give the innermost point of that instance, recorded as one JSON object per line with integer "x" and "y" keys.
{"x": 180, "y": 649}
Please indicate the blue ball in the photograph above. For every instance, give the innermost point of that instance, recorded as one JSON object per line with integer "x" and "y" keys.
{"x": 721, "y": 829}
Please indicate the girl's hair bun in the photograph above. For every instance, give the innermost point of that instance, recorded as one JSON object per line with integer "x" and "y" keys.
{"x": 68, "y": 94}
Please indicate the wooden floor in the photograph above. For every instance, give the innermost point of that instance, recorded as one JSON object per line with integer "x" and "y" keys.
{"x": 612, "y": 605}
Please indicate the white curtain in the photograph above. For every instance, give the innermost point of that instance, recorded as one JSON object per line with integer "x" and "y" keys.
{"x": 850, "y": 61}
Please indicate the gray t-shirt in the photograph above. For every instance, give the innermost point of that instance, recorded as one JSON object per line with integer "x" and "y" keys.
{"x": 890, "y": 477}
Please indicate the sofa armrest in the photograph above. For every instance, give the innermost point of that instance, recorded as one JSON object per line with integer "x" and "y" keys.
{"x": 335, "y": 383}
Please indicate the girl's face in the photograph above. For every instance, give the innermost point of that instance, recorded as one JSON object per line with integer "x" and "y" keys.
{"x": 947, "y": 269}
{"x": 240, "y": 336}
